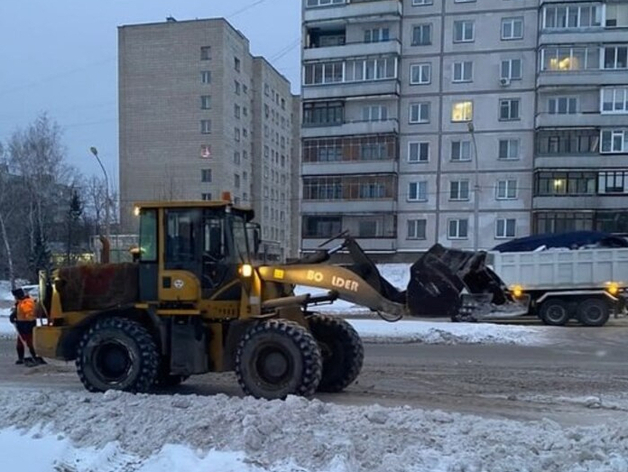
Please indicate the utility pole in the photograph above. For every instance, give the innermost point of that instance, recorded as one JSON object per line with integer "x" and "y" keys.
{"x": 94, "y": 151}
{"x": 476, "y": 190}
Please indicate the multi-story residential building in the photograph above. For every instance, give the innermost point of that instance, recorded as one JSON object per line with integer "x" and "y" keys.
{"x": 420, "y": 119}
{"x": 581, "y": 160}
{"x": 199, "y": 115}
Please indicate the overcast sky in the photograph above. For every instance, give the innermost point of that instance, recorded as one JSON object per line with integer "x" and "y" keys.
{"x": 60, "y": 57}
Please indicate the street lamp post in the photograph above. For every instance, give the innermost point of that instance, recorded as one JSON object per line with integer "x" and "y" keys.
{"x": 476, "y": 189}
{"x": 94, "y": 151}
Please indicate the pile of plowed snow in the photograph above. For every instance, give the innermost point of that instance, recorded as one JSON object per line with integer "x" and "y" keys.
{"x": 308, "y": 436}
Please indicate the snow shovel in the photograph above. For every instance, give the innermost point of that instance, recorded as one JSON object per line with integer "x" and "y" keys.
{"x": 29, "y": 362}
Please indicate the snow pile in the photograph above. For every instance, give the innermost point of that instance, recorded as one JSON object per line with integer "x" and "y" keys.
{"x": 444, "y": 332}
{"x": 5, "y": 291}
{"x": 131, "y": 432}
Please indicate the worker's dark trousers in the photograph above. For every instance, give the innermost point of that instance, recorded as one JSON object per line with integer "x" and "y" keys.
{"x": 25, "y": 328}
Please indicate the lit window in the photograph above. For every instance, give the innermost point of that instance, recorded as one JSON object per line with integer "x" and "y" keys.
{"x": 462, "y": 111}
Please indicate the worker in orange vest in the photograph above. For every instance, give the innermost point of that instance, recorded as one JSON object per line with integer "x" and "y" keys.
{"x": 24, "y": 317}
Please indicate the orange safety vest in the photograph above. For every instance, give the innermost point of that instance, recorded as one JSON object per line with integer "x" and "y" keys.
{"x": 26, "y": 309}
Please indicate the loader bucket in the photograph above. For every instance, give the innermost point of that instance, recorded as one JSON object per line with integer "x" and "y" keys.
{"x": 439, "y": 277}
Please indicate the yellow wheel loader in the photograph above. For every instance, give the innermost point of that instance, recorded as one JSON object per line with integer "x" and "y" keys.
{"x": 194, "y": 302}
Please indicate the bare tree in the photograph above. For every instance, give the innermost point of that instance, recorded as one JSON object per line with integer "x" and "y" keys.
{"x": 6, "y": 209}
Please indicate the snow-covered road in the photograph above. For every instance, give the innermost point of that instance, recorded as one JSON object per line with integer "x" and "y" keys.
{"x": 123, "y": 432}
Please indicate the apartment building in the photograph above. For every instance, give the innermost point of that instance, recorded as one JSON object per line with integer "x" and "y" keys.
{"x": 420, "y": 119}
{"x": 199, "y": 115}
{"x": 581, "y": 156}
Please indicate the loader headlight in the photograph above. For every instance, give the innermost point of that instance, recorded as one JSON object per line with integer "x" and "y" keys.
{"x": 517, "y": 291}
{"x": 246, "y": 270}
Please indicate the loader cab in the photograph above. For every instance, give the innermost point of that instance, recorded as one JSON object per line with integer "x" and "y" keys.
{"x": 189, "y": 251}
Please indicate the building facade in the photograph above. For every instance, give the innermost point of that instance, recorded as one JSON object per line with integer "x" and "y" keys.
{"x": 420, "y": 119}
{"x": 199, "y": 116}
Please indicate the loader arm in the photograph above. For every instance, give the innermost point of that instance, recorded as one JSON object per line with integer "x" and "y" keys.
{"x": 349, "y": 286}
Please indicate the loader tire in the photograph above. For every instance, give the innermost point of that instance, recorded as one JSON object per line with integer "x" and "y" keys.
{"x": 277, "y": 358}
{"x": 117, "y": 354}
{"x": 593, "y": 312}
{"x": 342, "y": 351}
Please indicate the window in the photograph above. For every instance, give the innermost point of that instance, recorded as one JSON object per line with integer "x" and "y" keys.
{"x": 362, "y": 70}
{"x": 505, "y": 228}
{"x": 512, "y": 28}
{"x": 236, "y": 180}
{"x": 236, "y": 64}
{"x": 506, "y": 190}
{"x": 323, "y": 3}
{"x": 236, "y": 86}
{"x": 616, "y": 15}
{"x": 508, "y": 149}
{"x": 236, "y": 134}
{"x": 511, "y": 69}
{"x": 562, "y": 106}
{"x": 373, "y": 151}
{"x": 565, "y": 183}
{"x": 564, "y": 59}
{"x": 463, "y": 31}
{"x": 367, "y": 229}
{"x": 236, "y": 111}
{"x": 236, "y": 158}
{"x": 420, "y": 112}
{"x": 376, "y": 35}
{"x": 245, "y": 89}
{"x": 206, "y": 102}
{"x": 462, "y": 111}
{"x": 562, "y": 221}
{"x": 375, "y": 113}
{"x": 614, "y": 100}
{"x": 206, "y": 151}
{"x": 206, "y": 175}
{"x": 613, "y": 182}
{"x": 418, "y": 152}
{"x": 460, "y": 151}
{"x": 206, "y": 53}
{"x": 417, "y": 191}
{"x": 459, "y": 190}
{"x": 206, "y": 126}
{"x": 457, "y": 229}
{"x": 422, "y": 35}
{"x": 616, "y": 57}
{"x": 206, "y": 196}
{"x": 420, "y": 73}
{"x": 421, "y": 2}
{"x": 572, "y": 16}
{"x": 323, "y": 73}
{"x": 509, "y": 109}
{"x": 416, "y": 229}
{"x": 206, "y": 77}
{"x": 572, "y": 142}
{"x": 463, "y": 71}
{"x": 323, "y": 113}
{"x": 614, "y": 141}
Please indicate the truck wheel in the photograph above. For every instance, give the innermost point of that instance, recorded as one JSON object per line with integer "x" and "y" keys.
{"x": 117, "y": 354}
{"x": 277, "y": 358}
{"x": 593, "y": 312}
{"x": 342, "y": 351}
{"x": 554, "y": 312}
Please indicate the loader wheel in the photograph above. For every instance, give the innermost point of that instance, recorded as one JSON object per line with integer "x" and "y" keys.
{"x": 593, "y": 312}
{"x": 277, "y": 358}
{"x": 342, "y": 351}
{"x": 117, "y": 354}
{"x": 554, "y": 312}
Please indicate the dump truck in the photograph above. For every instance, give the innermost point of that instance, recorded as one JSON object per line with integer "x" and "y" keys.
{"x": 194, "y": 301}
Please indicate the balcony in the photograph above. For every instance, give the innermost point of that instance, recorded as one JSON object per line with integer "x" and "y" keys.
{"x": 351, "y": 128}
{"x": 351, "y": 89}
{"x": 348, "y": 206}
{"x": 581, "y": 202}
{"x": 599, "y": 77}
{"x": 352, "y": 50}
{"x": 365, "y": 10}
{"x": 547, "y": 120}
{"x": 583, "y": 36}
{"x": 387, "y": 166}
{"x": 581, "y": 161}
{"x": 368, "y": 244}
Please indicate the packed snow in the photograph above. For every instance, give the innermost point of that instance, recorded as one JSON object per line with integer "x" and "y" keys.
{"x": 115, "y": 431}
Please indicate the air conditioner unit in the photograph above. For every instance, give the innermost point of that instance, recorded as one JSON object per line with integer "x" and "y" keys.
{"x": 504, "y": 81}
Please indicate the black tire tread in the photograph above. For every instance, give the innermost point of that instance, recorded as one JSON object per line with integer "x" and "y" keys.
{"x": 313, "y": 364}
{"x": 147, "y": 346}
{"x": 597, "y": 323}
{"x": 544, "y": 307}
{"x": 352, "y": 344}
